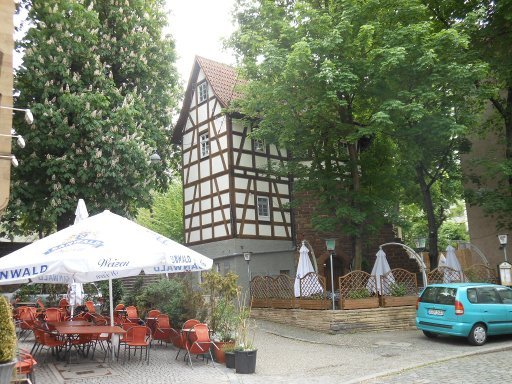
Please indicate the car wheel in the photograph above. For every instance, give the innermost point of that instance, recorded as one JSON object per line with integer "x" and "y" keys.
{"x": 478, "y": 335}
{"x": 430, "y": 335}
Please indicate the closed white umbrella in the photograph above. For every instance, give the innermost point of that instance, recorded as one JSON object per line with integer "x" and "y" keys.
{"x": 76, "y": 290}
{"x": 303, "y": 268}
{"x": 381, "y": 268}
{"x": 452, "y": 262}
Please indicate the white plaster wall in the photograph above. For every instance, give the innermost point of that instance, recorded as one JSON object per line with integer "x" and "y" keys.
{"x": 205, "y": 167}
{"x": 207, "y": 233}
{"x": 265, "y": 230}
{"x": 206, "y": 204}
{"x": 206, "y": 218}
{"x": 262, "y": 186}
{"x": 205, "y": 188}
{"x": 202, "y": 112}
{"x": 223, "y": 182}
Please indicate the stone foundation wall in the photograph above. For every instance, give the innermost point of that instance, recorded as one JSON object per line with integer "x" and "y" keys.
{"x": 345, "y": 321}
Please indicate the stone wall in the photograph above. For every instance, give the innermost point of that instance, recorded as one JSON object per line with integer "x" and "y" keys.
{"x": 347, "y": 321}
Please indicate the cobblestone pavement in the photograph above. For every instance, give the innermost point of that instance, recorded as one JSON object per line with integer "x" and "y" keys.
{"x": 485, "y": 368}
{"x": 294, "y": 355}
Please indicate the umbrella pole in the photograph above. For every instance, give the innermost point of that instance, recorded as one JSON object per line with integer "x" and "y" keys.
{"x": 111, "y": 302}
{"x": 332, "y": 281}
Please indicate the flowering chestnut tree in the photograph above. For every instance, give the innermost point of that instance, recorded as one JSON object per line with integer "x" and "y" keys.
{"x": 99, "y": 77}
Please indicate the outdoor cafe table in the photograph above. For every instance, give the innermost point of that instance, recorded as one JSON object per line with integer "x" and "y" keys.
{"x": 71, "y": 332}
{"x": 69, "y": 322}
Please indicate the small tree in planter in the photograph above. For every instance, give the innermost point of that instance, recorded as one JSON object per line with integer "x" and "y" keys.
{"x": 7, "y": 341}
{"x": 226, "y": 321}
{"x": 245, "y": 352}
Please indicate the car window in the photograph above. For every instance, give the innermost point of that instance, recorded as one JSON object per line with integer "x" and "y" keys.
{"x": 505, "y": 295}
{"x": 472, "y": 298}
{"x": 439, "y": 295}
{"x": 487, "y": 295}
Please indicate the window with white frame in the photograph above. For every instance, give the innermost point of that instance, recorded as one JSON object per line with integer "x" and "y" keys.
{"x": 259, "y": 145}
{"x": 202, "y": 91}
{"x": 204, "y": 141}
{"x": 263, "y": 208}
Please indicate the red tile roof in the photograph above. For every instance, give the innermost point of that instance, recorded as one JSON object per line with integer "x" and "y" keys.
{"x": 222, "y": 78}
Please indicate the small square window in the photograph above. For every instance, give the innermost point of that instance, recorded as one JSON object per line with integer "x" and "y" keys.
{"x": 259, "y": 145}
{"x": 202, "y": 91}
{"x": 263, "y": 208}
{"x": 205, "y": 145}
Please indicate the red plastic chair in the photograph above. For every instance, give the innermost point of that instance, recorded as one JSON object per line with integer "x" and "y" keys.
{"x": 26, "y": 318}
{"x": 199, "y": 342}
{"x": 137, "y": 338}
{"x": 25, "y": 365}
{"x": 164, "y": 331}
{"x": 132, "y": 315}
{"x": 53, "y": 314}
{"x": 185, "y": 330}
{"x": 90, "y": 306}
{"x": 47, "y": 340}
{"x": 124, "y": 338}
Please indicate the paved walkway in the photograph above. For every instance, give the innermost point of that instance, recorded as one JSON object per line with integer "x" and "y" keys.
{"x": 294, "y": 355}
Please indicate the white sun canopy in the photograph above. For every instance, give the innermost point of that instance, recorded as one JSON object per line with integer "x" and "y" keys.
{"x": 101, "y": 247}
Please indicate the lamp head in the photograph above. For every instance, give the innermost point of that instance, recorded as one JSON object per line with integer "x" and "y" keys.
{"x": 155, "y": 158}
{"x": 503, "y": 240}
{"x": 330, "y": 244}
{"x": 247, "y": 256}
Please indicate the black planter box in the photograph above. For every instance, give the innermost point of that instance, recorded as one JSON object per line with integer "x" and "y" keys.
{"x": 230, "y": 359}
{"x": 245, "y": 361}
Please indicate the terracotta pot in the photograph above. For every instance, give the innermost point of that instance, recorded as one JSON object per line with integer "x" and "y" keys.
{"x": 218, "y": 353}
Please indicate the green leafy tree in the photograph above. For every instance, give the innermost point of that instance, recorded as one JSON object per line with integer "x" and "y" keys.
{"x": 434, "y": 99}
{"x": 489, "y": 25}
{"x": 309, "y": 90}
{"x": 98, "y": 117}
{"x": 166, "y": 213}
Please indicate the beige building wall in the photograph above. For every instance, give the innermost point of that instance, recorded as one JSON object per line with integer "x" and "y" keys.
{"x": 482, "y": 229}
{"x": 6, "y": 84}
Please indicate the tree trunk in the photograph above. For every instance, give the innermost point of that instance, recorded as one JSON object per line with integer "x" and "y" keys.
{"x": 428, "y": 206}
{"x": 507, "y": 117}
{"x": 356, "y": 182}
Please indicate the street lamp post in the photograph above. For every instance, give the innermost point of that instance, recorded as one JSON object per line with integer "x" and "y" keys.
{"x": 505, "y": 268}
{"x": 330, "y": 244}
{"x": 247, "y": 257}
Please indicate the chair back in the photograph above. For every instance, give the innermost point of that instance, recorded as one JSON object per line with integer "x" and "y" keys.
{"x": 131, "y": 312}
{"x": 200, "y": 339}
{"x": 163, "y": 321}
{"x": 153, "y": 313}
{"x": 137, "y": 334}
{"x": 189, "y": 324}
{"x": 90, "y": 306}
{"x": 63, "y": 303}
{"x": 53, "y": 314}
{"x": 119, "y": 307}
{"x": 27, "y": 313}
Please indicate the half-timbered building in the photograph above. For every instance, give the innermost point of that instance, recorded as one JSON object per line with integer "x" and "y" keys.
{"x": 234, "y": 211}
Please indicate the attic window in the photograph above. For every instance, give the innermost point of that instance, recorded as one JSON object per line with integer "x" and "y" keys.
{"x": 202, "y": 91}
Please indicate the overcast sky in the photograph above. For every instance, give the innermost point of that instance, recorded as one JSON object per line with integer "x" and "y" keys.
{"x": 198, "y": 27}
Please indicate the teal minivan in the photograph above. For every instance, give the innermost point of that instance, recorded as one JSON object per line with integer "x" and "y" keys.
{"x": 471, "y": 310}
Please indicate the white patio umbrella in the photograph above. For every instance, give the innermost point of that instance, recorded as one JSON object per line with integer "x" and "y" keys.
{"x": 76, "y": 290}
{"x": 303, "y": 268}
{"x": 102, "y": 247}
{"x": 452, "y": 262}
{"x": 381, "y": 268}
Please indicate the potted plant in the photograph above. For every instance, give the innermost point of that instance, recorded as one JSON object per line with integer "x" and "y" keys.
{"x": 229, "y": 354}
{"x": 225, "y": 320}
{"x": 245, "y": 352}
{"x": 220, "y": 292}
{"x": 359, "y": 298}
{"x": 398, "y": 296}
{"x": 7, "y": 341}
